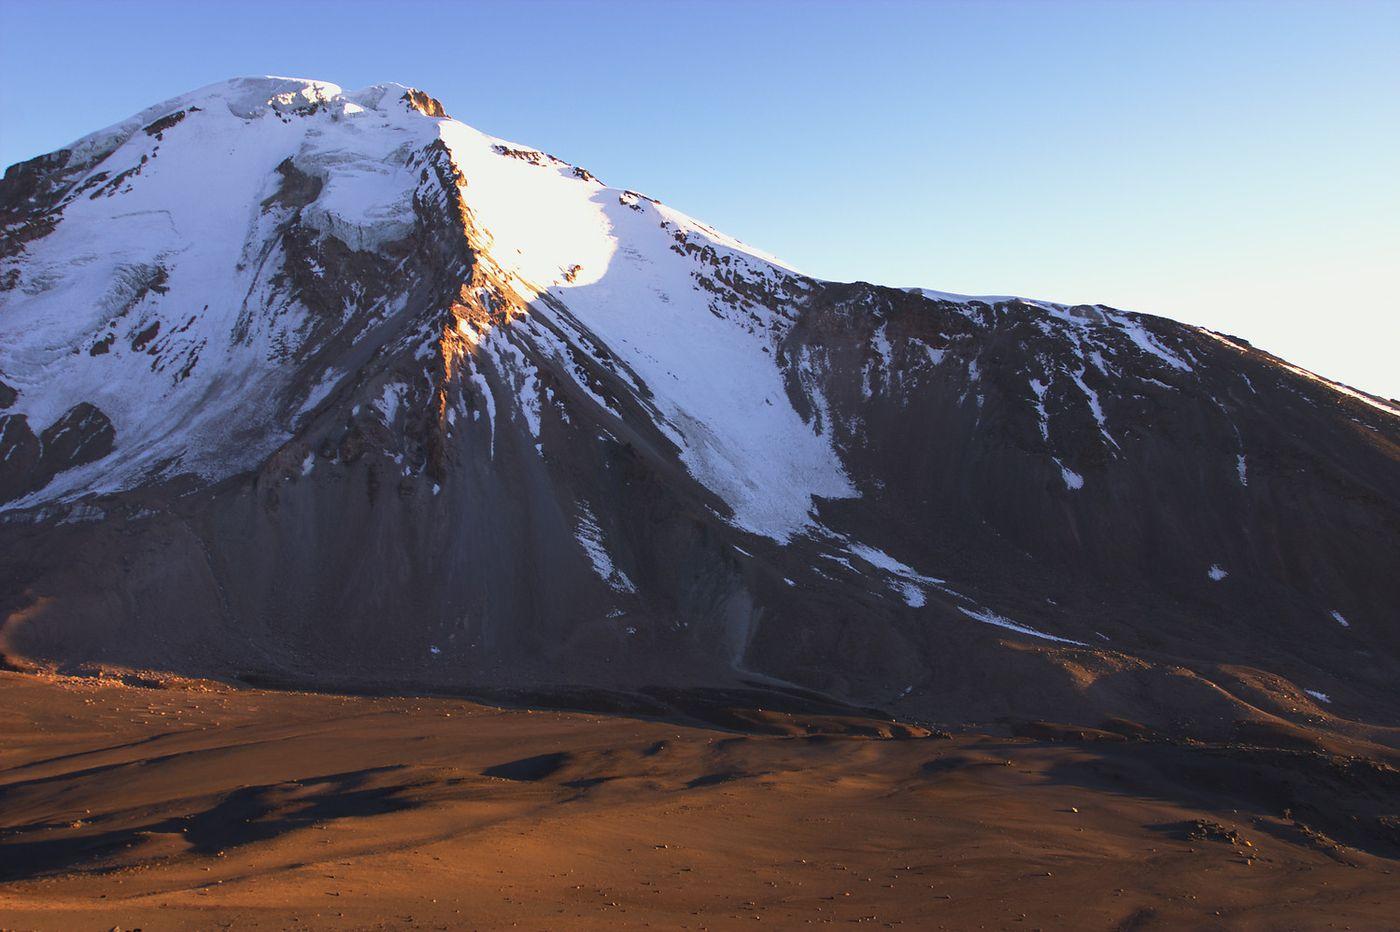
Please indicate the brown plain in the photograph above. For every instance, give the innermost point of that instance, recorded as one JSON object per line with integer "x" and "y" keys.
{"x": 204, "y": 805}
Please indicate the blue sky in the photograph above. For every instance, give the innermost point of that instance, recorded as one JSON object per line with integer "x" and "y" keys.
{"x": 1232, "y": 164}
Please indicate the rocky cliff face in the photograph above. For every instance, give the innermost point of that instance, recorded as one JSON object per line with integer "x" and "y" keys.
{"x": 330, "y": 388}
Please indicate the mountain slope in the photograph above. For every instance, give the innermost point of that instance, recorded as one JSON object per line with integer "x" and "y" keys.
{"x": 329, "y": 387}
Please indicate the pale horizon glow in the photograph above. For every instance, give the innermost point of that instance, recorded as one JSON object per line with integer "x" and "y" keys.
{"x": 1231, "y": 165}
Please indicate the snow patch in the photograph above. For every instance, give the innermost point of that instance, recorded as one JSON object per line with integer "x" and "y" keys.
{"x": 389, "y": 400}
{"x": 913, "y": 595}
{"x": 1072, "y": 479}
{"x": 590, "y": 538}
{"x": 907, "y": 582}
{"x": 1216, "y": 573}
{"x": 1095, "y": 408}
{"x": 992, "y": 618}
{"x": 1337, "y": 617}
{"x": 487, "y": 396}
{"x": 319, "y": 391}
{"x": 1039, "y": 388}
{"x": 1147, "y": 342}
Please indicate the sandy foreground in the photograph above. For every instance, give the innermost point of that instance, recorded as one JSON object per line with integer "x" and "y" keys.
{"x": 201, "y": 805}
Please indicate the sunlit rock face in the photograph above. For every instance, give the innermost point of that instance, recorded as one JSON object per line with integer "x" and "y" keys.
{"x": 330, "y": 388}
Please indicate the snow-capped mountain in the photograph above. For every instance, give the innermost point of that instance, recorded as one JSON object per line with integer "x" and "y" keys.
{"x": 330, "y": 387}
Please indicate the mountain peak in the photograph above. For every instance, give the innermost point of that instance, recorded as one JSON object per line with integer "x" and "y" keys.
{"x": 299, "y": 363}
{"x": 250, "y": 97}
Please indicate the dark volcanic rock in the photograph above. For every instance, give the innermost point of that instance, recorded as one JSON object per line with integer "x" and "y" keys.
{"x": 83, "y": 434}
{"x": 19, "y": 456}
